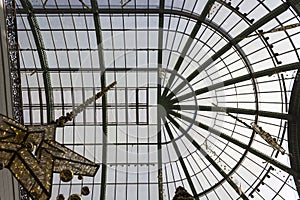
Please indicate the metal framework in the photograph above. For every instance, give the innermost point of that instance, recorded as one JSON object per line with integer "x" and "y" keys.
{"x": 104, "y": 100}
{"x": 34, "y": 171}
{"x": 235, "y": 40}
{"x": 157, "y": 130}
{"x": 38, "y": 39}
{"x": 159, "y": 110}
{"x": 294, "y": 129}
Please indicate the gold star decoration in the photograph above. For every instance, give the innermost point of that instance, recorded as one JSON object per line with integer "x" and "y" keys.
{"x": 34, "y": 169}
{"x": 32, "y": 154}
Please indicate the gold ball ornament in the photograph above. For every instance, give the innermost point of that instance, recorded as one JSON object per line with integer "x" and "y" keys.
{"x": 66, "y": 175}
{"x": 75, "y": 197}
{"x": 80, "y": 177}
{"x": 60, "y": 197}
{"x": 85, "y": 191}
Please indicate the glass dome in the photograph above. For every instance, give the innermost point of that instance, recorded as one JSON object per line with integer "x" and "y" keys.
{"x": 188, "y": 74}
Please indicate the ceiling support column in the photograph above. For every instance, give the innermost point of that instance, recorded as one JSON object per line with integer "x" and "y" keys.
{"x": 104, "y": 99}
{"x": 10, "y": 104}
{"x": 159, "y": 109}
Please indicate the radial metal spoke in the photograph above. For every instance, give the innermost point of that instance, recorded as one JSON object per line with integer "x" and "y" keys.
{"x": 210, "y": 50}
{"x": 188, "y": 44}
{"x": 104, "y": 98}
{"x": 235, "y": 110}
{"x": 214, "y": 164}
{"x": 271, "y": 15}
{"x": 296, "y": 5}
{"x": 186, "y": 172}
{"x": 240, "y": 144}
{"x": 266, "y": 72}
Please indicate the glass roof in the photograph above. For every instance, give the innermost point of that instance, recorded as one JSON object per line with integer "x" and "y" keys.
{"x": 157, "y": 129}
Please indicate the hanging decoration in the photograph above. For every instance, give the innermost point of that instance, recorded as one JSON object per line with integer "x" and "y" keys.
{"x": 75, "y": 197}
{"x": 61, "y": 121}
{"x": 283, "y": 28}
{"x": 85, "y": 190}
{"x": 32, "y": 154}
{"x": 268, "y": 138}
{"x": 80, "y": 177}
{"x": 60, "y": 197}
{"x": 215, "y": 7}
{"x": 225, "y": 167}
{"x": 66, "y": 175}
{"x": 182, "y": 194}
{"x": 257, "y": 129}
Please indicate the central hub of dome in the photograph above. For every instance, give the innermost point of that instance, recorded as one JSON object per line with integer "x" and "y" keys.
{"x": 164, "y": 107}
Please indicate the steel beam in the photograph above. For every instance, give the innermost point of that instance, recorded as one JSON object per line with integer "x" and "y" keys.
{"x": 266, "y": 72}
{"x": 294, "y": 129}
{"x": 117, "y": 69}
{"x": 188, "y": 44}
{"x": 236, "y": 110}
{"x": 240, "y": 144}
{"x": 97, "y": 24}
{"x": 159, "y": 109}
{"x": 296, "y": 5}
{"x": 186, "y": 172}
{"x": 38, "y": 39}
{"x": 270, "y": 16}
{"x": 214, "y": 164}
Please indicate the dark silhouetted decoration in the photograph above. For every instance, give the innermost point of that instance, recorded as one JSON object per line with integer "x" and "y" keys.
{"x": 182, "y": 194}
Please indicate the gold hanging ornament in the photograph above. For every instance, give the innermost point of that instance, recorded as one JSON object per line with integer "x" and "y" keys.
{"x": 34, "y": 171}
{"x": 75, "y": 197}
{"x": 257, "y": 129}
{"x": 60, "y": 197}
{"x": 66, "y": 175}
{"x": 283, "y": 28}
{"x": 61, "y": 121}
{"x": 85, "y": 191}
{"x": 80, "y": 177}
